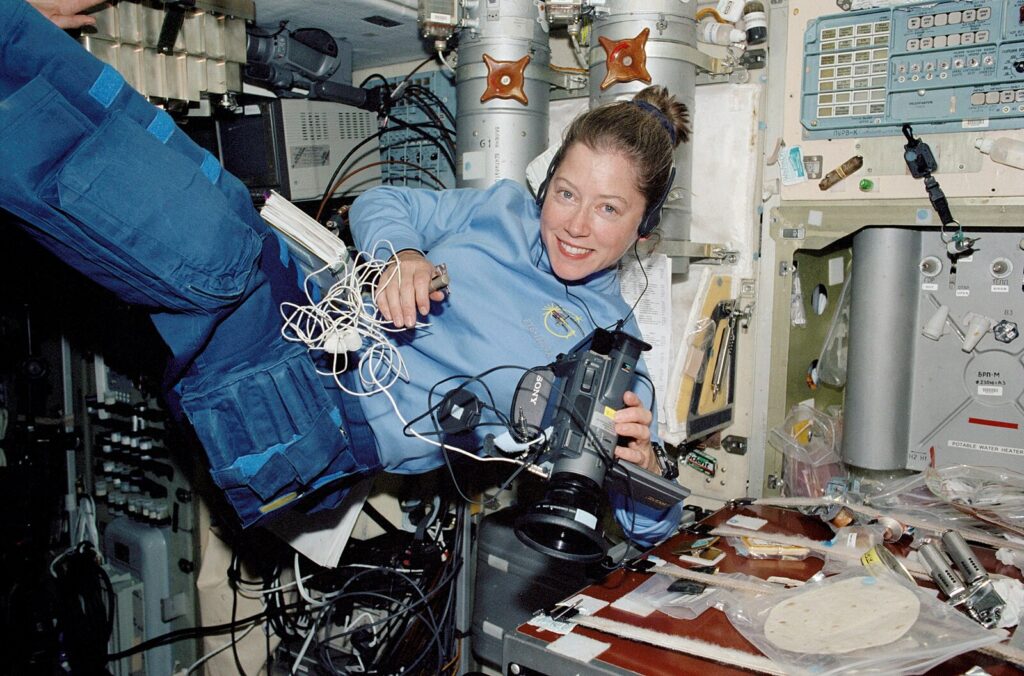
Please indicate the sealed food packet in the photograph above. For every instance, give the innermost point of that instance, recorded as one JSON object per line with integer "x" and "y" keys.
{"x": 754, "y": 548}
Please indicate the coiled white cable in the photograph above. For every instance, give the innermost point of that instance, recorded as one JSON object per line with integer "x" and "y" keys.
{"x": 346, "y": 322}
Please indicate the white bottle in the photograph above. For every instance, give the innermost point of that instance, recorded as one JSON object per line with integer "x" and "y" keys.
{"x": 714, "y": 33}
{"x": 1004, "y": 150}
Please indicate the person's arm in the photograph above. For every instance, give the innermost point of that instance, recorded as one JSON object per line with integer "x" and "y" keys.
{"x": 410, "y": 221}
{"x": 408, "y": 218}
{"x": 643, "y": 524}
{"x": 67, "y": 14}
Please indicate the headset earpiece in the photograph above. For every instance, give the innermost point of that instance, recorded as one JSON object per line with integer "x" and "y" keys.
{"x": 652, "y": 216}
{"x": 542, "y": 189}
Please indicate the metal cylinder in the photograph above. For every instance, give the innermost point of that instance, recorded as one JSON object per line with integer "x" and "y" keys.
{"x": 883, "y": 303}
{"x": 970, "y": 568}
{"x": 942, "y": 573}
{"x": 498, "y": 137}
{"x": 669, "y": 45}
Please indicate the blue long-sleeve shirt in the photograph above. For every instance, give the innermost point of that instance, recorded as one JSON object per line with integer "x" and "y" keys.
{"x": 506, "y": 307}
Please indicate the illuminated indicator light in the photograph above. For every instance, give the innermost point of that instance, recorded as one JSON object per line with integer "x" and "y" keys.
{"x": 994, "y": 423}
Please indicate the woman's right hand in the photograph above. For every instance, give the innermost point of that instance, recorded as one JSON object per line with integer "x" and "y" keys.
{"x": 404, "y": 288}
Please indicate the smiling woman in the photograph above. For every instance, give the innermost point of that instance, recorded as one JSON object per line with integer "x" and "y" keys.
{"x": 517, "y": 261}
{"x": 589, "y": 219}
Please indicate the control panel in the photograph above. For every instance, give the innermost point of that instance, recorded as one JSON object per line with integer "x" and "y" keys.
{"x": 946, "y": 67}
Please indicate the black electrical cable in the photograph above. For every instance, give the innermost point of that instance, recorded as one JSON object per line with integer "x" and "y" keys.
{"x": 86, "y": 616}
{"x": 647, "y": 283}
{"x": 234, "y": 616}
{"x": 570, "y": 294}
{"x": 254, "y": 33}
{"x": 421, "y": 102}
{"x": 378, "y": 76}
{"x": 432, "y": 408}
{"x": 432, "y": 625}
{"x": 432, "y": 95}
{"x": 416, "y": 129}
{"x": 404, "y": 611}
{"x": 341, "y": 164}
{"x": 451, "y": 470}
{"x": 189, "y": 633}
{"x": 445, "y": 580}
{"x": 413, "y": 71}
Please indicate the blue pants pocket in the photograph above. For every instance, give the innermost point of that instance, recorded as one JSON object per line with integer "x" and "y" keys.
{"x": 119, "y": 206}
{"x": 155, "y": 216}
{"x": 273, "y": 433}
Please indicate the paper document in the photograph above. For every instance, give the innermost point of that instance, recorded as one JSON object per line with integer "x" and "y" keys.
{"x": 653, "y": 313}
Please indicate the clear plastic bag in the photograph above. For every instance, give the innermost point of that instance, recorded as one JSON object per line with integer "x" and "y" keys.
{"x": 832, "y": 360}
{"x": 959, "y": 496}
{"x": 653, "y": 594}
{"x": 937, "y": 633}
{"x": 753, "y": 548}
{"x": 809, "y": 439}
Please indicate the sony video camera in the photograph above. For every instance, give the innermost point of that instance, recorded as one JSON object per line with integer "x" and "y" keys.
{"x": 577, "y": 396}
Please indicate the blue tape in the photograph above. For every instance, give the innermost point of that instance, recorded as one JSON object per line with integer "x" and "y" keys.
{"x": 162, "y": 126}
{"x": 211, "y": 167}
{"x": 107, "y": 86}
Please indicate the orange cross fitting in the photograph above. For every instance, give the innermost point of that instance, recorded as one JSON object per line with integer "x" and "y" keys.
{"x": 505, "y": 79}
{"x": 626, "y": 60}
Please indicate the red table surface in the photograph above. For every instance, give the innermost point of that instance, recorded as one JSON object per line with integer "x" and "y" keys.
{"x": 713, "y": 626}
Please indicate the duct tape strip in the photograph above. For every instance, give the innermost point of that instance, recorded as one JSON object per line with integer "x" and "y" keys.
{"x": 721, "y": 581}
{"x": 687, "y": 646}
{"x": 1005, "y": 652}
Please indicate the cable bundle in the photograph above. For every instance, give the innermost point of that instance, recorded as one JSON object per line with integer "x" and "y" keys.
{"x": 346, "y": 321}
{"x": 86, "y": 609}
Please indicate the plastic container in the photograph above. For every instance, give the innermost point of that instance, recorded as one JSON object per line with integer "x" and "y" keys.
{"x": 755, "y": 22}
{"x": 713, "y": 33}
{"x": 1003, "y": 150}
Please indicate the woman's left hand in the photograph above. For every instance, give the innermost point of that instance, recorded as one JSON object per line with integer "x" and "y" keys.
{"x": 634, "y": 421}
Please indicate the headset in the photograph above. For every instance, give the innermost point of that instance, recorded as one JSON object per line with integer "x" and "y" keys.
{"x": 652, "y": 215}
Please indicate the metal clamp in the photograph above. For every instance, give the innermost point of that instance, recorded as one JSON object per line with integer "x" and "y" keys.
{"x": 704, "y": 252}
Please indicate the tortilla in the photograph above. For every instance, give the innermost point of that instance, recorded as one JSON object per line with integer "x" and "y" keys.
{"x": 852, "y": 614}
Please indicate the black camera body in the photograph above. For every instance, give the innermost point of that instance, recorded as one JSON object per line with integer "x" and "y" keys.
{"x": 577, "y": 396}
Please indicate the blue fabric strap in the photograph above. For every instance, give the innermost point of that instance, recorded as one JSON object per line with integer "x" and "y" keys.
{"x": 107, "y": 86}
{"x": 161, "y": 127}
{"x": 211, "y": 167}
